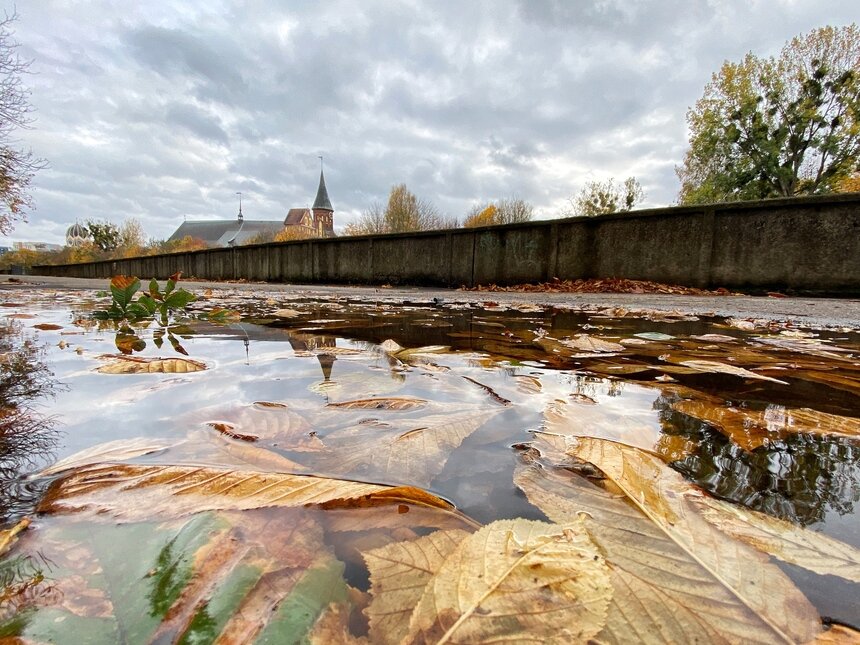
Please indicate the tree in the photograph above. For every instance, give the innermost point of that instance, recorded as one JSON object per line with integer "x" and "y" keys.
{"x": 17, "y": 166}
{"x": 505, "y": 211}
{"x": 403, "y": 213}
{"x": 780, "y": 126}
{"x": 603, "y": 197}
{"x": 131, "y": 235}
{"x": 105, "y": 235}
{"x": 294, "y": 233}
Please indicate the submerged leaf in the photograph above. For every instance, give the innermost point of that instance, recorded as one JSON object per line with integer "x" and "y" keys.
{"x": 790, "y": 543}
{"x": 516, "y": 580}
{"x": 659, "y": 493}
{"x": 119, "y": 450}
{"x": 138, "y": 365}
{"x": 668, "y": 588}
{"x": 135, "y": 492}
{"x": 413, "y": 452}
{"x": 398, "y": 574}
{"x": 274, "y": 424}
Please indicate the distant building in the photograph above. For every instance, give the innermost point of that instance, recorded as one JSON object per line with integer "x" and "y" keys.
{"x": 77, "y": 235}
{"x": 316, "y": 221}
{"x": 36, "y": 246}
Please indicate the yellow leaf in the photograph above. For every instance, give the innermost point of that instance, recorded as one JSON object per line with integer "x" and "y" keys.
{"x": 134, "y": 492}
{"x": 790, "y": 543}
{"x": 138, "y": 365}
{"x": 516, "y": 580}
{"x": 664, "y": 589}
{"x": 659, "y": 493}
{"x": 333, "y": 627}
{"x": 398, "y": 575}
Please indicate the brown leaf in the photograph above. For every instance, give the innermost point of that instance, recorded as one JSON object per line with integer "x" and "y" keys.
{"x": 659, "y": 493}
{"x": 274, "y": 424}
{"x": 333, "y": 627}
{"x": 516, "y": 580}
{"x": 665, "y": 589}
{"x": 47, "y": 326}
{"x": 382, "y": 403}
{"x": 751, "y": 429}
{"x": 398, "y": 574}
{"x": 112, "y": 451}
{"x": 788, "y": 542}
{"x": 135, "y": 492}
{"x": 138, "y": 365}
{"x": 714, "y": 367}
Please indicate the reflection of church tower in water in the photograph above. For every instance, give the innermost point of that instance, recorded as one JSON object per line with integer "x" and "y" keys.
{"x": 322, "y": 209}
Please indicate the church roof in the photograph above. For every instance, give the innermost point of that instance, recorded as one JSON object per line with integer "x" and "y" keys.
{"x": 322, "y": 201}
{"x": 295, "y": 216}
{"x": 221, "y": 232}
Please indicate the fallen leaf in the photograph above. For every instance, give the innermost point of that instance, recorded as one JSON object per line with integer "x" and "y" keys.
{"x": 275, "y": 424}
{"x": 751, "y": 428}
{"x": 658, "y": 492}
{"x": 788, "y": 542}
{"x": 112, "y": 451}
{"x": 8, "y": 537}
{"x": 699, "y": 584}
{"x": 48, "y": 326}
{"x": 382, "y": 403}
{"x": 132, "y": 492}
{"x": 333, "y": 627}
{"x": 516, "y": 580}
{"x": 138, "y": 365}
{"x": 414, "y": 451}
{"x": 398, "y": 574}
{"x": 714, "y": 367}
{"x": 838, "y": 635}
{"x": 286, "y": 313}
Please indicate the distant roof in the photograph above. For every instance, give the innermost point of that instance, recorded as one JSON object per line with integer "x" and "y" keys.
{"x": 295, "y": 215}
{"x": 221, "y": 232}
{"x": 322, "y": 201}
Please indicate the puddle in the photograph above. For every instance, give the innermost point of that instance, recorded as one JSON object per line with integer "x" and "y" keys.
{"x": 448, "y": 398}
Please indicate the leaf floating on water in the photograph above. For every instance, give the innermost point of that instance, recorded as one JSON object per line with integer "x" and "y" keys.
{"x": 48, "y": 326}
{"x": 398, "y": 574}
{"x": 112, "y": 451}
{"x": 580, "y": 343}
{"x": 585, "y": 417}
{"x": 516, "y": 580}
{"x": 8, "y": 537}
{"x": 382, "y": 403}
{"x": 135, "y": 492}
{"x": 490, "y": 391}
{"x": 714, "y": 367}
{"x": 414, "y": 452}
{"x": 751, "y": 429}
{"x": 138, "y": 365}
{"x": 286, "y": 313}
{"x": 714, "y": 338}
{"x": 666, "y": 589}
{"x": 333, "y": 627}
{"x": 272, "y": 423}
{"x": 528, "y": 384}
{"x": 788, "y": 542}
{"x": 654, "y": 335}
{"x": 838, "y": 635}
{"x": 659, "y": 493}
{"x": 406, "y": 354}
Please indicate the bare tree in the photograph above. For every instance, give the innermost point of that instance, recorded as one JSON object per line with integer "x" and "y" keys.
{"x": 404, "y": 212}
{"x": 17, "y": 166}
{"x": 603, "y": 197}
{"x": 371, "y": 222}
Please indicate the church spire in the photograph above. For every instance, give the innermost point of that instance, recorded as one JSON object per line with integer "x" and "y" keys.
{"x": 322, "y": 201}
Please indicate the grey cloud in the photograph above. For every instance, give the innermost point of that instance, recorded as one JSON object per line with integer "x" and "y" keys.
{"x": 197, "y": 121}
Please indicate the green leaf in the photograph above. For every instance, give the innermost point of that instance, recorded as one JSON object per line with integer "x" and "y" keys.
{"x": 153, "y": 290}
{"x": 123, "y": 288}
{"x": 179, "y": 299}
{"x": 137, "y": 310}
{"x": 149, "y": 303}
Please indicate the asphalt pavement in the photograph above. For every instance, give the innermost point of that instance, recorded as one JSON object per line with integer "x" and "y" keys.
{"x": 807, "y": 312}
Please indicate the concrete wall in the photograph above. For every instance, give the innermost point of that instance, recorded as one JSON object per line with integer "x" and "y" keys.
{"x": 805, "y": 244}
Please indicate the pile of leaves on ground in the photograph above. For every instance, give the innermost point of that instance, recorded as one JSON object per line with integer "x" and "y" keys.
{"x": 604, "y": 285}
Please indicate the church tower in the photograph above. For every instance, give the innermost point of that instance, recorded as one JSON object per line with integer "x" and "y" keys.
{"x": 322, "y": 209}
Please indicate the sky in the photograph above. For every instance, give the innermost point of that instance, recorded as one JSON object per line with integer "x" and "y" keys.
{"x": 165, "y": 110}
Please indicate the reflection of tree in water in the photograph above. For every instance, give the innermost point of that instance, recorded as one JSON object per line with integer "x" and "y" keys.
{"x": 27, "y": 438}
{"x": 797, "y": 478}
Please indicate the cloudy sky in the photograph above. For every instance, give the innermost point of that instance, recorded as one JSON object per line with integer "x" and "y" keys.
{"x": 163, "y": 110}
